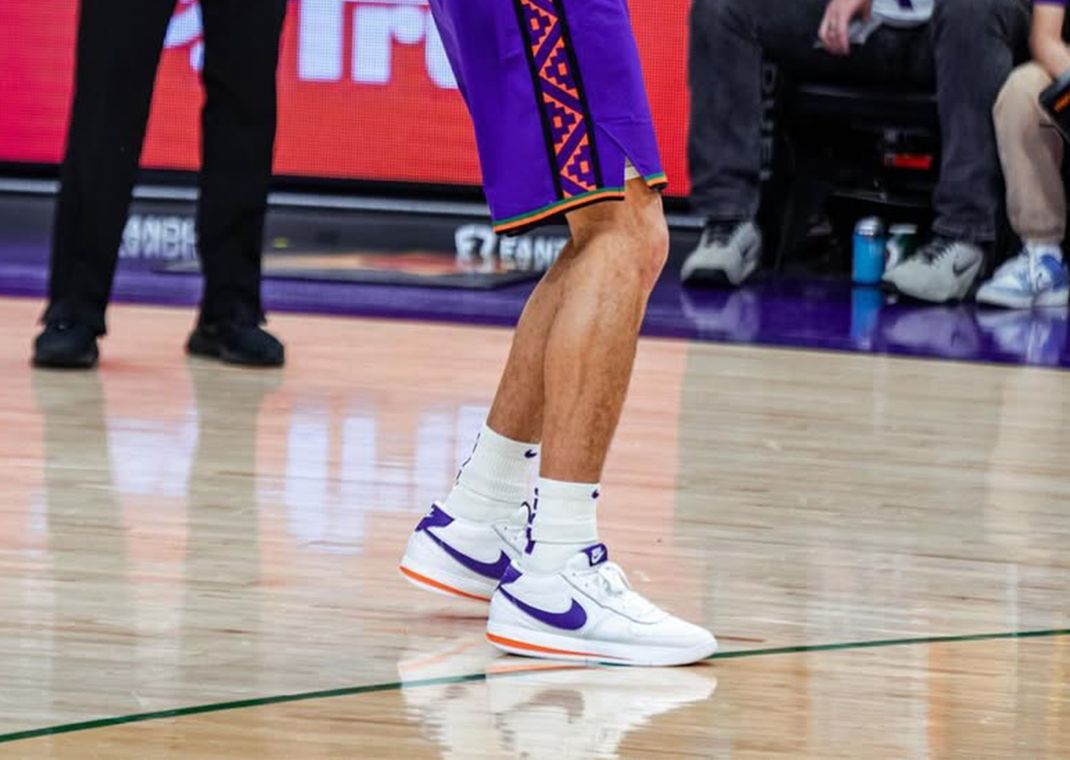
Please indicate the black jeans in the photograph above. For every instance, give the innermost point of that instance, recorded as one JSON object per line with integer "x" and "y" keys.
{"x": 119, "y": 46}
{"x": 966, "y": 53}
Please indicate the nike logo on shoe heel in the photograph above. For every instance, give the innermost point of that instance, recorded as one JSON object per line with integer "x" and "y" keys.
{"x": 437, "y": 518}
{"x": 491, "y": 570}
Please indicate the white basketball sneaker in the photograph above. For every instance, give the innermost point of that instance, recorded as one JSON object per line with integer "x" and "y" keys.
{"x": 1028, "y": 281}
{"x": 588, "y": 612}
{"x": 456, "y": 557}
{"x": 942, "y": 270}
{"x": 727, "y": 254}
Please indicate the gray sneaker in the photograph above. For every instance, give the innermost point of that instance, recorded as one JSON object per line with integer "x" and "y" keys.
{"x": 727, "y": 254}
{"x": 942, "y": 270}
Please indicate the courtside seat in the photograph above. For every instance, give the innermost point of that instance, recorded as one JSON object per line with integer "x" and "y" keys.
{"x": 869, "y": 144}
{"x": 864, "y": 104}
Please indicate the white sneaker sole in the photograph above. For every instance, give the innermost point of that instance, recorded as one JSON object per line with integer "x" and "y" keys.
{"x": 958, "y": 291}
{"x": 711, "y": 274}
{"x": 551, "y": 646}
{"x": 1053, "y": 298}
{"x": 438, "y": 582}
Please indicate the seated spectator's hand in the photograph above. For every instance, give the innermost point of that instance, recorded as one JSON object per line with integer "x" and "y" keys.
{"x": 838, "y": 17}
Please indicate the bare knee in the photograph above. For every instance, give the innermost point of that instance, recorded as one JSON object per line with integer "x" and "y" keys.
{"x": 634, "y": 228}
{"x": 653, "y": 249}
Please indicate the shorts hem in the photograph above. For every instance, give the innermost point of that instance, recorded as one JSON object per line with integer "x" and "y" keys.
{"x": 524, "y": 222}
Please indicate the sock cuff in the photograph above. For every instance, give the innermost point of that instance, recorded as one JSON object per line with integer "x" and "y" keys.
{"x": 497, "y": 444}
{"x": 561, "y": 490}
{"x": 1040, "y": 247}
{"x": 494, "y": 480}
{"x": 565, "y": 512}
{"x": 499, "y": 466}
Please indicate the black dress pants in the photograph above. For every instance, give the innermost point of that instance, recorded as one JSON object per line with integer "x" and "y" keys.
{"x": 119, "y": 46}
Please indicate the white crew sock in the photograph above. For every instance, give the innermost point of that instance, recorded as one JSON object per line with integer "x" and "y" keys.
{"x": 1038, "y": 250}
{"x": 564, "y": 524}
{"x": 495, "y": 480}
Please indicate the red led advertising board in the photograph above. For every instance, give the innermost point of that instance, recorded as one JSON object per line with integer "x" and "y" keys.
{"x": 366, "y": 91}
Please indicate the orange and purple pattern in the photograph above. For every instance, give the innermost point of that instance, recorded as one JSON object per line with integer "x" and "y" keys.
{"x": 560, "y": 90}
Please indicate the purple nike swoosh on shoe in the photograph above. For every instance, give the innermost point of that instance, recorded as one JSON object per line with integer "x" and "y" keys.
{"x": 436, "y": 518}
{"x": 572, "y": 619}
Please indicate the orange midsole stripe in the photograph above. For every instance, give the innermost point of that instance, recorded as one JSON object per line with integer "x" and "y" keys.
{"x": 545, "y": 650}
{"x": 441, "y": 586}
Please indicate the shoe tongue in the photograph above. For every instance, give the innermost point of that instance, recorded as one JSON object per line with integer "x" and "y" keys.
{"x": 597, "y": 554}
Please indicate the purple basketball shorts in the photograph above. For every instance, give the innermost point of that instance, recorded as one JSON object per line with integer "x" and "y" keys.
{"x": 556, "y": 93}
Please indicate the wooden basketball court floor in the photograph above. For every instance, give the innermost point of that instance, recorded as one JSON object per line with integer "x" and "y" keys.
{"x": 199, "y": 561}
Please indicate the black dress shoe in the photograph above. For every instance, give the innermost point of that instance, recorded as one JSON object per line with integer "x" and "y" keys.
{"x": 236, "y": 343}
{"x": 66, "y": 345}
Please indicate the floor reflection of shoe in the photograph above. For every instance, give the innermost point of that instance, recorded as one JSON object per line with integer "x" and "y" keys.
{"x": 588, "y": 612}
{"x": 431, "y": 661}
{"x": 938, "y": 330}
{"x": 456, "y": 557}
{"x": 586, "y": 713}
{"x": 526, "y": 708}
{"x": 1036, "y": 337}
{"x": 725, "y": 314}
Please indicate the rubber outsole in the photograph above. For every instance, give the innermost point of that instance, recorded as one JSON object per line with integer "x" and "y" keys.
{"x": 962, "y": 293}
{"x": 422, "y": 581}
{"x": 72, "y": 365}
{"x": 528, "y": 643}
{"x": 207, "y": 348}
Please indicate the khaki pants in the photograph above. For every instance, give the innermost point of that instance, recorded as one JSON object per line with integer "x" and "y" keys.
{"x": 1031, "y": 150}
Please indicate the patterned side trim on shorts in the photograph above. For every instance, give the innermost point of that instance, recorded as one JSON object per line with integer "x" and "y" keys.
{"x": 559, "y": 88}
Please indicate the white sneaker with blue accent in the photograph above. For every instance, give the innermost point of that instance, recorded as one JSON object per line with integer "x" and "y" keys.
{"x": 1027, "y": 281}
{"x": 456, "y": 557}
{"x": 588, "y": 612}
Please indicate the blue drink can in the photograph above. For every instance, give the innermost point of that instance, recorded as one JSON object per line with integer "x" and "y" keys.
{"x": 869, "y": 243}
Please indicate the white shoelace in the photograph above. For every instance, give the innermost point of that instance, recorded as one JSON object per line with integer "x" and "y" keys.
{"x": 613, "y": 579}
{"x": 615, "y": 583}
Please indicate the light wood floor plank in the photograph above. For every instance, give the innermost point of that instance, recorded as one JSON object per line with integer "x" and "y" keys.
{"x": 175, "y": 533}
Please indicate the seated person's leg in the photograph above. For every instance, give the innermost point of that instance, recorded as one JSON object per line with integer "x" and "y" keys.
{"x": 1031, "y": 151}
{"x": 728, "y": 38}
{"x": 974, "y": 46}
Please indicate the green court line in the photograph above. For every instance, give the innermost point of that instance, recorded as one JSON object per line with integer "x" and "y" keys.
{"x": 350, "y": 691}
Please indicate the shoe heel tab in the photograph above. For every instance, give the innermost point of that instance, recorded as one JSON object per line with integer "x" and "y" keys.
{"x": 510, "y": 575}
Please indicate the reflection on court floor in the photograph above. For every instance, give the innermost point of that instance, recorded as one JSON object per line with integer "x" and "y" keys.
{"x": 177, "y": 534}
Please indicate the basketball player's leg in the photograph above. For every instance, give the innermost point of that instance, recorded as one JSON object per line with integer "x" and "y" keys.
{"x": 583, "y": 356}
{"x": 457, "y": 548}
{"x": 563, "y": 598}
{"x": 620, "y": 251}
{"x": 568, "y": 371}
{"x": 517, "y": 411}
{"x": 595, "y": 344}
{"x": 572, "y": 355}
{"x": 573, "y": 349}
